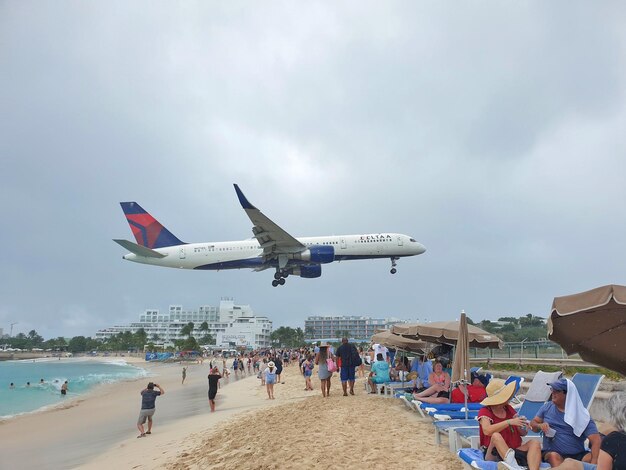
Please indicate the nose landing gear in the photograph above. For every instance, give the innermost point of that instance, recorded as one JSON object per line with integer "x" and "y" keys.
{"x": 393, "y": 265}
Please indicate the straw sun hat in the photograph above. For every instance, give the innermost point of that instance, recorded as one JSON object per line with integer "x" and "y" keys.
{"x": 498, "y": 392}
{"x": 271, "y": 364}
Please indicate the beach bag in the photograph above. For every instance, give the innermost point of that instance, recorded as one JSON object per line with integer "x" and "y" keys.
{"x": 330, "y": 364}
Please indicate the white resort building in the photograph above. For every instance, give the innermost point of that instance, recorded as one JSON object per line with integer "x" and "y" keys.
{"x": 230, "y": 325}
{"x": 356, "y": 327}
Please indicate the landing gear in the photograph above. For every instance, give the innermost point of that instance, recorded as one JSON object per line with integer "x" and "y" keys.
{"x": 279, "y": 278}
{"x": 393, "y": 265}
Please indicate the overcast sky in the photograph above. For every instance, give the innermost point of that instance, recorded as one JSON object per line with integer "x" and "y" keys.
{"x": 491, "y": 132}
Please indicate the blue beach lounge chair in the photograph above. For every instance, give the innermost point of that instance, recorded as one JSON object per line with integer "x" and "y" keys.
{"x": 537, "y": 394}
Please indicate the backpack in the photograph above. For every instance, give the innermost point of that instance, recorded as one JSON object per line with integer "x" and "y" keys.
{"x": 355, "y": 359}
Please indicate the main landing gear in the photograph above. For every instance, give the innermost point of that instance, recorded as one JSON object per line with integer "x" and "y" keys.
{"x": 393, "y": 265}
{"x": 279, "y": 278}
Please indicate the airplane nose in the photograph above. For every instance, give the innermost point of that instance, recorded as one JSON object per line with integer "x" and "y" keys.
{"x": 420, "y": 248}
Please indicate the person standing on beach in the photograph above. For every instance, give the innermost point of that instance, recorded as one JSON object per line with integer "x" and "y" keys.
{"x": 184, "y": 375}
{"x": 349, "y": 361}
{"x": 322, "y": 372}
{"x": 270, "y": 379}
{"x": 148, "y": 407}
{"x": 214, "y": 383}
{"x": 279, "y": 368}
{"x": 64, "y": 388}
{"x": 307, "y": 367}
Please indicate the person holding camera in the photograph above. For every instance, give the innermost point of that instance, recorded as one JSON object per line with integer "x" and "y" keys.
{"x": 148, "y": 407}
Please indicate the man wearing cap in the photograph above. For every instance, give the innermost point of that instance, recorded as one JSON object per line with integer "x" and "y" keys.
{"x": 501, "y": 430}
{"x": 475, "y": 390}
{"x": 565, "y": 424}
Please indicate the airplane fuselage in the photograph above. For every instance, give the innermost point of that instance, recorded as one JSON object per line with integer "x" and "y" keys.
{"x": 249, "y": 254}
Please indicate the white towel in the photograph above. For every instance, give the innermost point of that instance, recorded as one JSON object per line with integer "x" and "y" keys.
{"x": 576, "y": 415}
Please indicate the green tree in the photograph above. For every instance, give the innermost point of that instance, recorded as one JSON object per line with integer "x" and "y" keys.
{"x": 77, "y": 344}
{"x": 187, "y": 329}
{"x": 35, "y": 339}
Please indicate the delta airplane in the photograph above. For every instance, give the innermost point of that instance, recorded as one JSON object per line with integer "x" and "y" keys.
{"x": 270, "y": 248}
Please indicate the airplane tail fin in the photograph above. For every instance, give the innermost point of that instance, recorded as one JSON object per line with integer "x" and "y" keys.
{"x": 147, "y": 230}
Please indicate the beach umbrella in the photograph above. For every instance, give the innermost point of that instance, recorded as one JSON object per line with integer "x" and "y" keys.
{"x": 447, "y": 332}
{"x": 461, "y": 363}
{"x": 593, "y": 324}
{"x": 389, "y": 340}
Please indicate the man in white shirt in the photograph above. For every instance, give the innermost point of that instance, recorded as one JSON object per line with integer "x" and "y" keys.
{"x": 380, "y": 349}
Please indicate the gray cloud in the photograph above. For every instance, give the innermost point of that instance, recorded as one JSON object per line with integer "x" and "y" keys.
{"x": 492, "y": 133}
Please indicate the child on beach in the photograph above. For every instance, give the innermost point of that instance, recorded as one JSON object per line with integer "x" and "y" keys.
{"x": 307, "y": 367}
{"x": 270, "y": 379}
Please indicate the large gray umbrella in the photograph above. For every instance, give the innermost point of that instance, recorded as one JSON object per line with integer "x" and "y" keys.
{"x": 593, "y": 324}
{"x": 447, "y": 332}
{"x": 461, "y": 363}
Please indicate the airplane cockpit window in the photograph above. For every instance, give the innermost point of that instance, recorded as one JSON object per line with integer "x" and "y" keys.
{"x": 411, "y": 239}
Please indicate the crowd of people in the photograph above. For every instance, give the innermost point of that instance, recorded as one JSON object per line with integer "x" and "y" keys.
{"x": 564, "y": 422}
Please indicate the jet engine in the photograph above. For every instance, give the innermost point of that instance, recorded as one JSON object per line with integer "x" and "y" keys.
{"x": 317, "y": 254}
{"x": 308, "y": 271}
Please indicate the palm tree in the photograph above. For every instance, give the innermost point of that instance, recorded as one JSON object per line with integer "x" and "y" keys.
{"x": 187, "y": 329}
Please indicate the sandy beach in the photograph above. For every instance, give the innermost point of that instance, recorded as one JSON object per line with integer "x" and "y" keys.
{"x": 296, "y": 429}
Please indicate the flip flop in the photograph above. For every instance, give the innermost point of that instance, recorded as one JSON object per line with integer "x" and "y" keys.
{"x": 148, "y": 432}
{"x": 141, "y": 435}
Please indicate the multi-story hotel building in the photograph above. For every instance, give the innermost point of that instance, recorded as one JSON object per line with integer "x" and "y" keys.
{"x": 229, "y": 324}
{"x": 334, "y": 327}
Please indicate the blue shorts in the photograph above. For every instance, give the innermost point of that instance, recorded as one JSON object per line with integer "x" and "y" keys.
{"x": 347, "y": 374}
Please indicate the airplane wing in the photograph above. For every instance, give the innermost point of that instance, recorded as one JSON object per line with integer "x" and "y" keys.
{"x": 139, "y": 250}
{"x": 273, "y": 239}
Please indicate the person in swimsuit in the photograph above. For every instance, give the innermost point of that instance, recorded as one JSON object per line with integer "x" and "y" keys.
{"x": 64, "y": 388}
{"x": 439, "y": 390}
{"x": 214, "y": 383}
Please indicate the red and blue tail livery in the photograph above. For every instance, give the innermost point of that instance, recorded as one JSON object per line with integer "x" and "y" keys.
{"x": 270, "y": 248}
{"x": 147, "y": 230}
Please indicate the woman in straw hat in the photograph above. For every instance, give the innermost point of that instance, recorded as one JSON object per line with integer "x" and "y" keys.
{"x": 501, "y": 430}
{"x": 270, "y": 379}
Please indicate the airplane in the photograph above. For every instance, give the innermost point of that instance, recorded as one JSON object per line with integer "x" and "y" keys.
{"x": 271, "y": 247}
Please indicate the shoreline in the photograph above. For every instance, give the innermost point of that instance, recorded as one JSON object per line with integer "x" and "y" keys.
{"x": 298, "y": 428}
{"x": 68, "y": 402}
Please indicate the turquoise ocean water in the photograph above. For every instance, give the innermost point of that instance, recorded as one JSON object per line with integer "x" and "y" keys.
{"x": 82, "y": 376}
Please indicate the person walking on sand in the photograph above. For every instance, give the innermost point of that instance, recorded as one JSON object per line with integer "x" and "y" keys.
{"x": 270, "y": 379}
{"x": 350, "y": 359}
{"x": 279, "y": 368}
{"x": 214, "y": 383}
{"x": 322, "y": 371}
{"x": 148, "y": 407}
{"x": 64, "y": 388}
{"x": 307, "y": 367}
{"x": 184, "y": 375}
